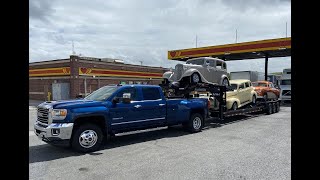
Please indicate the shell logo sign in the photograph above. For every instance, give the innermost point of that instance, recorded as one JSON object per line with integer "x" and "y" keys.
{"x": 63, "y": 71}
{"x": 117, "y": 73}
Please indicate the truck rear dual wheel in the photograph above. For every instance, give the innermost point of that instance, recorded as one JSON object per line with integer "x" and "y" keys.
{"x": 87, "y": 138}
{"x": 269, "y": 108}
{"x": 195, "y": 123}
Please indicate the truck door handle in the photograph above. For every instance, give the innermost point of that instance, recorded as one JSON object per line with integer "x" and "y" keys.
{"x": 137, "y": 106}
{"x": 161, "y": 104}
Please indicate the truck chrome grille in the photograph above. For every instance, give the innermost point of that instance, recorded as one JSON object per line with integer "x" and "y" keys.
{"x": 43, "y": 115}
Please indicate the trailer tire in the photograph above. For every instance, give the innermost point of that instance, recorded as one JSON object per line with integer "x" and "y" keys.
{"x": 87, "y": 138}
{"x": 195, "y": 123}
{"x": 274, "y": 110}
{"x": 279, "y": 104}
{"x": 269, "y": 108}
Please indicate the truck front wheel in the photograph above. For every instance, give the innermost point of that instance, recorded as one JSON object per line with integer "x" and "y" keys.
{"x": 87, "y": 138}
{"x": 195, "y": 123}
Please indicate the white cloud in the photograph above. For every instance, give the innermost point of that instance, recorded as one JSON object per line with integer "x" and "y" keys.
{"x": 144, "y": 30}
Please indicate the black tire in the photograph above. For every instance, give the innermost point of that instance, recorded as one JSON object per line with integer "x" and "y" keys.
{"x": 192, "y": 76}
{"x": 225, "y": 84}
{"x": 195, "y": 123}
{"x": 234, "y": 106}
{"x": 93, "y": 131}
{"x": 269, "y": 108}
{"x": 274, "y": 110}
{"x": 279, "y": 104}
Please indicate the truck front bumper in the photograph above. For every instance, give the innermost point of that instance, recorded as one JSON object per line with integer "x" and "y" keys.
{"x": 53, "y": 133}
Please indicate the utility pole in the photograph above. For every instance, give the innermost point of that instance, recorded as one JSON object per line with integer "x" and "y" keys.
{"x": 196, "y": 41}
{"x": 236, "y": 35}
{"x": 73, "y": 53}
{"x": 286, "y": 30}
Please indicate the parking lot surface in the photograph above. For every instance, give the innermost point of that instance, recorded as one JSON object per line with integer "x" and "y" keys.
{"x": 245, "y": 147}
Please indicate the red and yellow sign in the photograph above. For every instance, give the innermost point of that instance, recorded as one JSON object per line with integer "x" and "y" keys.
{"x": 253, "y": 46}
{"x": 117, "y": 73}
{"x": 50, "y": 71}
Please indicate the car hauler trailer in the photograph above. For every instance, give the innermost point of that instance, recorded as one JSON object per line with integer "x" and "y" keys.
{"x": 218, "y": 92}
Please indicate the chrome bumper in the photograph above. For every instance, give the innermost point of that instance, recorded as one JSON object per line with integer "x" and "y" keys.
{"x": 50, "y": 132}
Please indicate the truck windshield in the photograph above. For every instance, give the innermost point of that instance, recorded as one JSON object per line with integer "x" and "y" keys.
{"x": 102, "y": 93}
{"x": 259, "y": 84}
{"x": 286, "y": 82}
{"x": 196, "y": 62}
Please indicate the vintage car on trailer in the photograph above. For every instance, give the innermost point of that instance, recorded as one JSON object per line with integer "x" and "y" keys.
{"x": 199, "y": 70}
{"x": 266, "y": 90}
{"x": 241, "y": 94}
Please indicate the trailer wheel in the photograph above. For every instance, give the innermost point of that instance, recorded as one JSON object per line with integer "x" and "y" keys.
{"x": 269, "y": 108}
{"x": 279, "y": 104}
{"x": 274, "y": 110}
{"x": 87, "y": 138}
{"x": 195, "y": 123}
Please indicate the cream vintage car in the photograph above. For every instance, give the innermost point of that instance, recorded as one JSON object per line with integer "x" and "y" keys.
{"x": 205, "y": 69}
{"x": 242, "y": 93}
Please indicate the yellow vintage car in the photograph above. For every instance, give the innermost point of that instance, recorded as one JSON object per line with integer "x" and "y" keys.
{"x": 242, "y": 93}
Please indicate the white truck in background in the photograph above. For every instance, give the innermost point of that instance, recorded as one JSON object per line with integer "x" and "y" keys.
{"x": 250, "y": 75}
{"x": 285, "y": 85}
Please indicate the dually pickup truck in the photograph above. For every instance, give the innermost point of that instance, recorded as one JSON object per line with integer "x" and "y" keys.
{"x": 83, "y": 123}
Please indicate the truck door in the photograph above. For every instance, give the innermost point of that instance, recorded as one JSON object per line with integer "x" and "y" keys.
{"x": 153, "y": 107}
{"x": 125, "y": 115}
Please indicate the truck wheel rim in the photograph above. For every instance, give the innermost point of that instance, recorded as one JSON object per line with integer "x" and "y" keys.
{"x": 195, "y": 78}
{"x": 88, "y": 138}
{"x": 196, "y": 123}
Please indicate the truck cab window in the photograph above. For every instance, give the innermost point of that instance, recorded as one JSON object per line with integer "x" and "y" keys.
{"x": 247, "y": 84}
{"x": 150, "y": 93}
{"x": 132, "y": 91}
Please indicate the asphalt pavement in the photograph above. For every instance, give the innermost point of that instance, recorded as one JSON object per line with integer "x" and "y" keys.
{"x": 245, "y": 147}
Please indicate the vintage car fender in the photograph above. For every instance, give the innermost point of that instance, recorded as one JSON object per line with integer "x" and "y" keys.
{"x": 253, "y": 92}
{"x": 231, "y": 100}
{"x": 167, "y": 75}
{"x": 222, "y": 77}
{"x": 189, "y": 72}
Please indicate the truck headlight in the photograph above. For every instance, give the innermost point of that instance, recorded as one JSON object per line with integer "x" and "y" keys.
{"x": 59, "y": 114}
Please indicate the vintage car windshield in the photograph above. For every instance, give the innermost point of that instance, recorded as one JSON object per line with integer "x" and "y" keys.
{"x": 234, "y": 86}
{"x": 196, "y": 62}
{"x": 102, "y": 93}
{"x": 259, "y": 84}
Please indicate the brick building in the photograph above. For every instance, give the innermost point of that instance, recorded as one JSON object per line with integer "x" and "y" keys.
{"x": 68, "y": 78}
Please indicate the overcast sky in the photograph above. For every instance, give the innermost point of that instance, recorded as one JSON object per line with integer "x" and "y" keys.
{"x": 144, "y": 30}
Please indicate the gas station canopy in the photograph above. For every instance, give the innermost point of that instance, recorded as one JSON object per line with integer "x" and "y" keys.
{"x": 269, "y": 48}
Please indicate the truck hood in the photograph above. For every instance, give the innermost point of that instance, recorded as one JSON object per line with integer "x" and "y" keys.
{"x": 77, "y": 103}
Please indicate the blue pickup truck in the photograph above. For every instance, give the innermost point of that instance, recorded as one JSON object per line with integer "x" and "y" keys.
{"x": 83, "y": 123}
